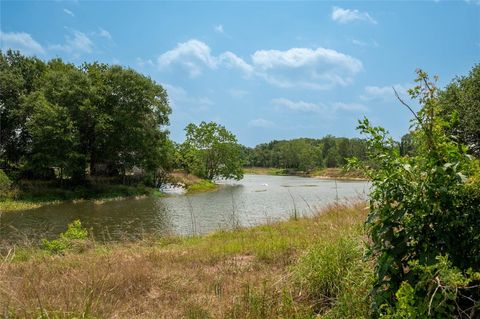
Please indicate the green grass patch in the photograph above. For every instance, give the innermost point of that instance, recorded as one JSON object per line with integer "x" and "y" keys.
{"x": 12, "y": 205}
{"x": 264, "y": 171}
{"x": 34, "y": 196}
{"x": 202, "y": 186}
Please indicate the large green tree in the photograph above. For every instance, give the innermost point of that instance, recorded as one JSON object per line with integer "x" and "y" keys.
{"x": 18, "y": 78}
{"x": 71, "y": 119}
{"x": 54, "y": 137}
{"x": 211, "y": 151}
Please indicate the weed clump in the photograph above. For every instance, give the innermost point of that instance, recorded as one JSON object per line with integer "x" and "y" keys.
{"x": 74, "y": 237}
{"x": 334, "y": 278}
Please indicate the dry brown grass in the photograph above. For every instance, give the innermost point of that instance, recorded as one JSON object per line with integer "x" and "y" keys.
{"x": 178, "y": 177}
{"x": 339, "y": 173}
{"x": 238, "y": 274}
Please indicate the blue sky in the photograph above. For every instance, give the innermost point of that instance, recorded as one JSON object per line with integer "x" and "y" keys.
{"x": 265, "y": 70}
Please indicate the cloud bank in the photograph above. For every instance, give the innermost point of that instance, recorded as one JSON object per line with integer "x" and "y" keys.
{"x": 319, "y": 68}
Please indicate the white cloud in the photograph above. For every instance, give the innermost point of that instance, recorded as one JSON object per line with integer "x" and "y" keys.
{"x": 20, "y": 41}
{"x": 231, "y": 60}
{"x": 384, "y": 93}
{"x": 319, "y": 68}
{"x": 297, "y": 105}
{"x": 219, "y": 28}
{"x": 351, "y": 107}
{"x": 325, "y": 109}
{"x": 76, "y": 44}
{"x": 191, "y": 55}
{"x": 142, "y": 63}
{"x": 361, "y": 43}
{"x": 341, "y": 15}
{"x": 261, "y": 123}
{"x": 104, "y": 34}
{"x": 70, "y": 13}
{"x": 194, "y": 55}
{"x": 316, "y": 69}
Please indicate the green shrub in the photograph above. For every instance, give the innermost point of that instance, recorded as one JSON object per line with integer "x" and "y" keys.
{"x": 74, "y": 235}
{"x": 444, "y": 285}
{"x": 74, "y": 231}
{"x": 55, "y": 246}
{"x": 5, "y": 184}
{"x": 422, "y": 207}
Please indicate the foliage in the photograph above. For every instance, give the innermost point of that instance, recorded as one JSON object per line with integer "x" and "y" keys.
{"x": 211, "y": 151}
{"x": 460, "y": 104}
{"x": 63, "y": 121}
{"x": 407, "y": 146}
{"x": 444, "y": 285}
{"x": 75, "y": 232}
{"x": 305, "y": 154}
{"x": 421, "y": 206}
{"x": 5, "y": 184}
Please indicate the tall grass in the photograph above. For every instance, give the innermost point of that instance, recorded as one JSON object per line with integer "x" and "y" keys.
{"x": 269, "y": 271}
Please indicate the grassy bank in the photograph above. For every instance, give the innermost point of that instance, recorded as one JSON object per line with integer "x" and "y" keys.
{"x": 30, "y": 195}
{"x": 192, "y": 183}
{"x": 36, "y": 195}
{"x": 327, "y": 173}
{"x": 264, "y": 171}
{"x": 292, "y": 269}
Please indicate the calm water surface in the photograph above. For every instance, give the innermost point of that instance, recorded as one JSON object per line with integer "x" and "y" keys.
{"x": 254, "y": 200}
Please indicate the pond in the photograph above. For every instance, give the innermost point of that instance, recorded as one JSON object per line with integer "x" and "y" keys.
{"x": 254, "y": 200}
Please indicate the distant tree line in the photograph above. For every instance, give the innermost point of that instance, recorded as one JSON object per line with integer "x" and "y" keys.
{"x": 64, "y": 121}
{"x": 305, "y": 154}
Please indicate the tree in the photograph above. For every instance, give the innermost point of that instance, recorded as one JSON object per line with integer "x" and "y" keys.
{"x": 68, "y": 89}
{"x": 407, "y": 146}
{"x": 460, "y": 105}
{"x": 136, "y": 108}
{"x": 58, "y": 115}
{"x": 211, "y": 151}
{"x": 18, "y": 78}
{"x": 54, "y": 138}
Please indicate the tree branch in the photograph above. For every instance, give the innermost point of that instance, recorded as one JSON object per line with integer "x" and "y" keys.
{"x": 408, "y": 106}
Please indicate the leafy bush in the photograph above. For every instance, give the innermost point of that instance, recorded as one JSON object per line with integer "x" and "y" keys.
{"x": 444, "y": 283}
{"x": 422, "y": 207}
{"x": 75, "y": 233}
{"x": 5, "y": 184}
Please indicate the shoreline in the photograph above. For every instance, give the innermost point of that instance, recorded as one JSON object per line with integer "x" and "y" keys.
{"x": 327, "y": 173}
{"x": 11, "y": 205}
